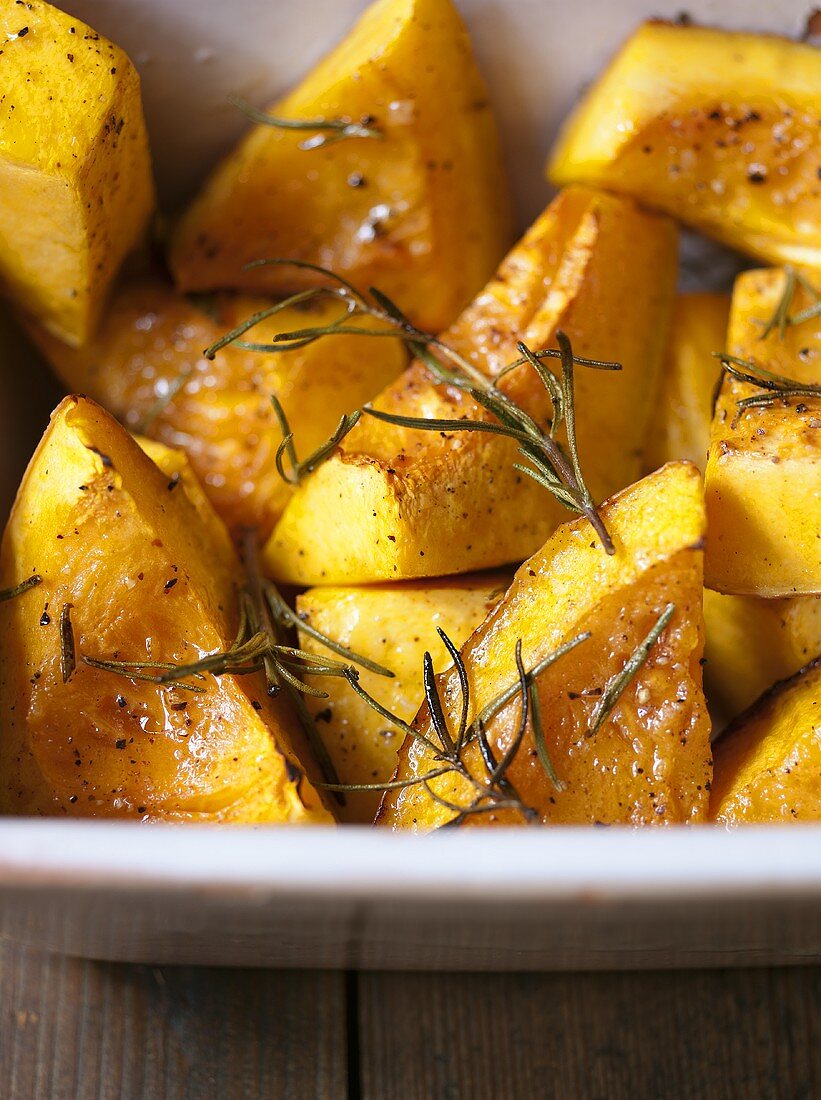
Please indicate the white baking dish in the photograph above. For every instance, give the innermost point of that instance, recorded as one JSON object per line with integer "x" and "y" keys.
{"x": 560, "y": 898}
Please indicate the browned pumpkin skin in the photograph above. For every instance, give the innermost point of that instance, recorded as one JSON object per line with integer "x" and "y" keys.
{"x": 649, "y": 763}
{"x": 116, "y": 539}
{"x": 153, "y": 338}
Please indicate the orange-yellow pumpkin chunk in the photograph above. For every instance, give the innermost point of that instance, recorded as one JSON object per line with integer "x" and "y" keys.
{"x": 76, "y": 190}
{"x": 649, "y": 762}
{"x": 127, "y": 560}
{"x": 768, "y": 763}
{"x": 398, "y": 502}
{"x": 421, "y": 211}
{"x": 719, "y": 128}
{"x": 763, "y": 478}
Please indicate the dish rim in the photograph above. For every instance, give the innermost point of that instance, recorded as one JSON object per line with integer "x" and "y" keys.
{"x": 559, "y": 864}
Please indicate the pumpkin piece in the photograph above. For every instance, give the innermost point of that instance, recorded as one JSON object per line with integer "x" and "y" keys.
{"x": 768, "y": 762}
{"x": 680, "y": 426}
{"x": 129, "y": 572}
{"x": 395, "y": 503}
{"x": 753, "y": 642}
{"x": 763, "y": 479}
{"x": 152, "y": 340}
{"x": 649, "y": 762}
{"x": 76, "y": 191}
{"x": 718, "y": 128}
{"x": 421, "y": 211}
{"x": 393, "y": 625}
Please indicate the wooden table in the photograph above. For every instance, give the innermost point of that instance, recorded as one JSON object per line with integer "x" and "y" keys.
{"x": 74, "y": 1030}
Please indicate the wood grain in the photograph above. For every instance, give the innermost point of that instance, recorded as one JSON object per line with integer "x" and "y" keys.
{"x": 699, "y": 1034}
{"x": 74, "y": 1030}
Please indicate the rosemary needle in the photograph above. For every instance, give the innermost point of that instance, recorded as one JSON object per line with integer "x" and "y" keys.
{"x": 540, "y": 740}
{"x": 299, "y": 470}
{"x": 288, "y": 618}
{"x": 326, "y": 131}
{"x": 68, "y": 657}
{"x": 20, "y": 589}
{"x": 616, "y": 685}
{"x": 781, "y": 317}
{"x": 776, "y": 387}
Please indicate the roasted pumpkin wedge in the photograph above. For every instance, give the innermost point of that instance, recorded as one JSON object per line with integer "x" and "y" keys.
{"x": 763, "y": 479}
{"x": 752, "y": 642}
{"x": 768, "y": 763}
{"x": 76, "y": 190}
{"x": 638, "y": 757}
{"x": 419, "y": 208}
{"x": 393, "y": 625}
{"x": 718, "y": 128}
{"x": 150, "y": 349}
{"x": 680, "y": 425}
{"x": 129, "y": 572}
{"x": 399, "y": 502}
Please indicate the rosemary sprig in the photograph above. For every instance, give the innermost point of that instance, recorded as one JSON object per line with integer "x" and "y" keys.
{"x": 134, "y": 670}
{"x": 777, "y": 387}
{"x": 492, "y": 789}
{"x": 616, "y": 685}
{"x": 259, "y": 646}
{"x": 20, "y": 589}
{"x": 495, "y": 705}
{"x": 394, "y": 785}
{"x": 326, "y": 131}
{"x": 287, "y": 618}
{"x": 287, "y": 447}
{"x": 781, "y": 318}
{"x": 545, "y": 459}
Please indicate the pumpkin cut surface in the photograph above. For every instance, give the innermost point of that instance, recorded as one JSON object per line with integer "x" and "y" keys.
{"x": 763, "y": 479}
{"x": 393, "y": 625}
{"x": 680, "y": 426}
{"x": 752, "y": 642}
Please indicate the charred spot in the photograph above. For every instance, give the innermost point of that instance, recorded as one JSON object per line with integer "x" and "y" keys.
{"x": 104, "y": 458}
